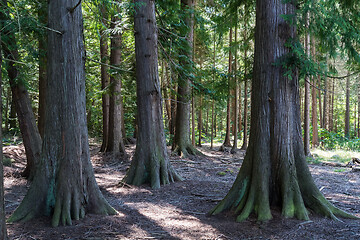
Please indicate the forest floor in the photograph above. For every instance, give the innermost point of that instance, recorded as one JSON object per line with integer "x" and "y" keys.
{"x": 178, "y": 210}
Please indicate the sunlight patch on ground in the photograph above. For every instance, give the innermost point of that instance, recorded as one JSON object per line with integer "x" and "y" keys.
{"x": 334, "y": 155}
{"x": 176, "y": 221}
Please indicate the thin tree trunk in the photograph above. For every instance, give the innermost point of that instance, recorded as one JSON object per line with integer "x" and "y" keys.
{"x": 228, "y": 110}
{"x": 325, "y": 108}
{"x": 307, "y": 101}
{"x": 245, "y": 136}
{"x": 200, "y": 120}
{"x": 115, "y": 142}
{"x": 314, "y": 116}
{"x": 150, "y": 163}
{"x": 320, "y": 104}
{"x": 236, "y": 91}
{"x": 104, "y": 79}
{"x": 358, "y": 125}
{"x": 347, "y": 108}
{"x": 332, "y": 119}
{"x": 20, "y": 97}
{"x": 64, "y": 184}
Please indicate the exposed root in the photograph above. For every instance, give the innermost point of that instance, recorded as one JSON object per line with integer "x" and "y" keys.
{"x": 187, "y": 150}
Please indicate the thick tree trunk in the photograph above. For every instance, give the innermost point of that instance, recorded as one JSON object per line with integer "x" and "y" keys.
{"x": 104, "y": 79}
{"x": 182, "y": 144}
{"x": 150, "y": 163}
{"x": 115, "y": 143}
{"x": 42, "y": 38}
{"x": 228, "y": 109}
{"x": 64, "y": 184}
{"x": 274, "y": 171}
{"x": 21, "y": 100}
{"x": 347, "y": 108}
{"x": 3, "y": 234}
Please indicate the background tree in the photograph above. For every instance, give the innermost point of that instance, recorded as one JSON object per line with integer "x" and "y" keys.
{"x": 182, "y": 142}
{"x": 20, "y": 97}
{"x": 274, "y": 171}
{"x": 115, "y": 142}
{"x": 3, "y": 234}
{"x": 64, "y": 185}
{"x": 150, "y": 163}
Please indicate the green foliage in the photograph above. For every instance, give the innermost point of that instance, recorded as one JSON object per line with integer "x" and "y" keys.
{"x": 333, "y": 140}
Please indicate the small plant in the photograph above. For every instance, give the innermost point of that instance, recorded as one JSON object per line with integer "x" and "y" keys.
{"x": 340, "y": 170}
{"x": 221, "y": 173}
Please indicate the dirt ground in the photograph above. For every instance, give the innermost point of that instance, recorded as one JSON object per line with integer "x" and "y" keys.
{"x": 178, "y": 211}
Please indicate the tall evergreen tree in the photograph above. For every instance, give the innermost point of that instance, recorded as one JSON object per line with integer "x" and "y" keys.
{"x": 150, "y": 163}
{"x": 274, "y": 171}
{"x": 64, "y": 184}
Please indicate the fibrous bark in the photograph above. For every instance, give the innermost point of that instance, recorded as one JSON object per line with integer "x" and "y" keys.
{"x": 274, "y": 171}
{"x": 104, "y": 79}
{"x": 42, "y": 15}
{"x": 150, "y": 163}
{"x": 64, "y": 184}
{"x": 115, "y": 141}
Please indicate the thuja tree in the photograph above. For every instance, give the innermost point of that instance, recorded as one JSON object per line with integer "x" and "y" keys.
{"x": 64, "y": 185}
{"x": 150, "y": 163}
{"x": 274, "y": 171}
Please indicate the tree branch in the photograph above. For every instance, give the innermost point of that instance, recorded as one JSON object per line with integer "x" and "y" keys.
{"x": 71, "y": 10}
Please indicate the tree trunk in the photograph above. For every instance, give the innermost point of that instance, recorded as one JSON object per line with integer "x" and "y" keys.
{"x": 307, "y": 99}
{"x": 331, "y": 118}
{"x": 3, "y": 234}
{"x": 314, "y": 116}
{"x": 182, "y": 144}
{"x": 150, "y": 163}
{"x": 325, "y": 108}
{"x": 115, "y": 143}
{"x": 42, "y": 15}
{"x": 64, "y": 184}
{"x": 20, "y": 97}
{"x": 320, "y": 104}
{"x": 245, "y": 137}
{"x": 274, "y": 172}
{"x": 236, "y": 96}
{"x": 104, "y": 79}
{"x": 228, "y": 109}
{"x": 347, "y": 108}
